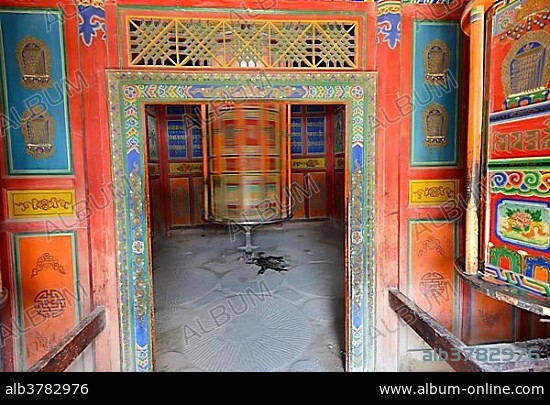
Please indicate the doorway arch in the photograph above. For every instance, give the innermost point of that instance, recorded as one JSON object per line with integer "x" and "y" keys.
{"x": 130, "y": 91}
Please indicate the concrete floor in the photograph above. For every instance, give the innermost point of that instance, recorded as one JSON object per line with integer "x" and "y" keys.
{"x": 215, "y": 313}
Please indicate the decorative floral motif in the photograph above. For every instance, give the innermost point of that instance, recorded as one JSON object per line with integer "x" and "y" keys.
{"x": 524, "y": 223}
{"x": 389, "y": 23}
{"x": 431, "y": 244}
{"x": 91, "y": 14}
{"x": 521, "y": 17}
{"x": 47, "y": 261}
{"x": 525, "y": 183}
{"x": 138, "y": 247}
{"x": 130, "y": 92}
{"x": 357, "y": 92}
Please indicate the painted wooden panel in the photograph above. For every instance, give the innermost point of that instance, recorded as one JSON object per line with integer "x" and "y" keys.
{"x": 181, "y": 201}
{"x": 154, "y": 169}
{"x": 152, "y": 138}
{"x": 316, "y": 135}
{"x": 183, "y": 168}
{"x": 177, "y": 139}
{"x": 28, "y": 204}
{"x": 490, "y": 320}
{"x": 182, "y": 136}
{"x": 524, "y": 223}
{"x": 198, "y": 200}
{"x": 47, "y": 292}
{"x": 436, "y": 108}
{"x": 317, "y": 187}
{"x": 183, "y": 132}
{"x": 312, "y": 133}
{"x": 297, "y": 146}
{"x": 339, "y": 208}
{"x": 520, "y": 68}
{"x": 432, "y": 192}
{"x": 309, "y": 163}
{"x": 339, "y": 131}
{"x": 519, "y": 222}
{"x": 156, "y": 208}
{"x": 433, "y": 248}
{"x": 522, "y": 140}
{"x": 35, "y": 93}
{"x": 518, "y": 247}
{"x": 340, "y": 163}
{"x": 298, "y": 204}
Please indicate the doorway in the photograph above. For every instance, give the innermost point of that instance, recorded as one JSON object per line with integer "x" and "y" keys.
{"x": 129, "y": 91}
{"x": 217, "y": 308}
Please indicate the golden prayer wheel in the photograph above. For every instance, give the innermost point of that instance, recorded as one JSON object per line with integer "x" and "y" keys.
{"x": 247, "y": 165}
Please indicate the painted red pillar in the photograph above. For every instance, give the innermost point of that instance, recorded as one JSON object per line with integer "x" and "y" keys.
{"x": 388, "y": 54}
{"x": 94, "y": 59}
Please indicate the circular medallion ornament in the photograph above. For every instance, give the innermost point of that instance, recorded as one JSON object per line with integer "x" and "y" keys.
{"x": 433, "y": 285}
{"x": 130, "y": 92}
{"x": 357, "y": 92}
{"x": 50, "y": 303}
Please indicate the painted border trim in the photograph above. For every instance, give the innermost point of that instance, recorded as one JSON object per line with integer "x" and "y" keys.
{"x": 130, "y": 91}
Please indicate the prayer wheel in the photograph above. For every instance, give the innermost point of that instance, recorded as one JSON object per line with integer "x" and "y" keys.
{"x": 247, "y": 165}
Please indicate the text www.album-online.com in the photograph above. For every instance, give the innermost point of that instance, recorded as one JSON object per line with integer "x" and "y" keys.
{"x": 485, "y": 389}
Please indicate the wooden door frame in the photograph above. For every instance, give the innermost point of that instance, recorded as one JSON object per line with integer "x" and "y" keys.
{"x": 129, "y": 91}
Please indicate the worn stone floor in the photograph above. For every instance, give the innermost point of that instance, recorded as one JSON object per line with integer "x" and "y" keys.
{"x": 214, "y": 312}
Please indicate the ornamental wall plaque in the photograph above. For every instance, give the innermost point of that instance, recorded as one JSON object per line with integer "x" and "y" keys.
{"x": 437, "y": 60}
{"x": 436, "y": 124}
{"x": 37, "y": 127}
{"x": 526, "y": 68}
{"x": 33, "y": 57}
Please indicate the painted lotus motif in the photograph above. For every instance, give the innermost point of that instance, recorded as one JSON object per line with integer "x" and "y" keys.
{"x": 524, "y": 223}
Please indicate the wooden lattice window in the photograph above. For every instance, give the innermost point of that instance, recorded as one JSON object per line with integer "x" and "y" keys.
{"x": 201, "y": 43}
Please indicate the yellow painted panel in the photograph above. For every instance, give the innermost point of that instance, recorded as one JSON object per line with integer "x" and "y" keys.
{"x": 309, "y": 163}
{"x": 40, "y": 203}
{"x": 432, "y": 192}
{"x": 186, "y": 168}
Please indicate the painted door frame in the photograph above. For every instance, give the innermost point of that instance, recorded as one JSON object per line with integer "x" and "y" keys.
{"x": 130, "y": 91}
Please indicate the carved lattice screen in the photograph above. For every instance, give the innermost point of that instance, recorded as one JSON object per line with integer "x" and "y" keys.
{"x": 219, "y": 43}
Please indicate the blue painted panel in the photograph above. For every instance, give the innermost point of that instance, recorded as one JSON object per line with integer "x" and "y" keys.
{"x": 315, "y": 129}
{"x": 177, "y": 139}
{"x": 315, "y": 109}
{"x": 425, "y": 93}
{"x": 296, "y": 139}
{"x": 175, "y": 109}
{"x": 46, "y": 26}
{"x": 196, "y": 136}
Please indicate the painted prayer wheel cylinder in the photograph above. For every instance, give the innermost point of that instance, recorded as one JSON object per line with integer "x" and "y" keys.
{"x": 248, "y": 165}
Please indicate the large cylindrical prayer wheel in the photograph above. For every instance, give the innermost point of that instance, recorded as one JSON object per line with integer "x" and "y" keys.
{"x": 248, "y": 164}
